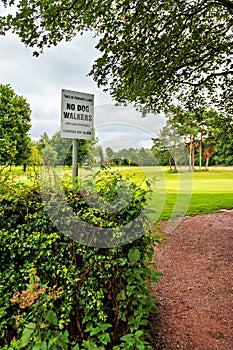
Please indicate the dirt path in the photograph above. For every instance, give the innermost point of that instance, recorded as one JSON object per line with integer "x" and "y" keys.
{"x": 195, "y": 295}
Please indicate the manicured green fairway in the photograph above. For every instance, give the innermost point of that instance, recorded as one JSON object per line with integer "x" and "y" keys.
{"x": 188, "y": 193}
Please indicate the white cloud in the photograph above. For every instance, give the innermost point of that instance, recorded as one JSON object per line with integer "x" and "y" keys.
{"x": 66, "y": 66}
{"x": 123, "y": 127}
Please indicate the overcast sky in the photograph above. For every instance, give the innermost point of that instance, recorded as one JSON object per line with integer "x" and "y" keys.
{"x": 66, "y": 66}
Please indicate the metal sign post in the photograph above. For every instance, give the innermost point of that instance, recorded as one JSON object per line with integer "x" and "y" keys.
{"x": 75, "y": 160}
{"x": 77, "y": 119}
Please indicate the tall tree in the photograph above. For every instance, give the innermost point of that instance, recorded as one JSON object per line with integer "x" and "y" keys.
{"x": 15, "y": 117}
{"x": 133, "y": 156}
{"x": 124, "y": 156}
{"x": 63, "y": 149}
{"x": 160, "y": 150}
{"x": 109, "y": 153}
{"x": 196, "y": 123}
{"x": 151, "y": 51}
{"x": 42, "y": 142}
{"x": 168, "y": 144}
{"x": 35, "y": 158}
{"x": 49, "y": 156}
{"x": 207, "y": 120}
{"x": 185, "y": 123}
{"x": 222, "y": 141}
{"x": 98, "y": 154}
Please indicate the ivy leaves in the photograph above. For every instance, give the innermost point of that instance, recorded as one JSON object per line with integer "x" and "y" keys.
{"x": 58, "y": 294}
{"x": 134, "y": 255}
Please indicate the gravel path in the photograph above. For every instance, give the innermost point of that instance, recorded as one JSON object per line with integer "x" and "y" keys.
{"x": 195, "y": 295}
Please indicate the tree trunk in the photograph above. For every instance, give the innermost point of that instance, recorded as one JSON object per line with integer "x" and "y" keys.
{"x": 200, "y": 152}
{"x": 190, "y": 153}
{"x": 175, "y": 160}
{"x": 207, "y": 154}
{"x": 170, "y": 164}
{"x": 175, "y": 164}
{"x": 193, "y": 152}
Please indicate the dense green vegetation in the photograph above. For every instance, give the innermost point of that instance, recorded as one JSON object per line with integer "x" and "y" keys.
{"x": 56, "y": 293}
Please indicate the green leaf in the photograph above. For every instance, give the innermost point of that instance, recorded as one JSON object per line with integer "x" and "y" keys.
{"x": 41, "y": 346}
{"x": 51, "y": 317}
{"x": 134, "y": 255}
{"x": 140, "y": 346}
{"x": 121, "y": 295}
{"x": 36, "y": 347}
{"x": 27, "y": 333}
{"x": 105, "y": 326}
{"x": 105, "y": 338}
{"x": 139, "y": 333}
{"x": 95, "y": 331}
{"x": 2, "y": 311}
{"x": 154, "y": 277}
{"x": 127, "y": 337}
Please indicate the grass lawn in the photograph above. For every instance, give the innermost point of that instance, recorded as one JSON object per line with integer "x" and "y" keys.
{"x": 188, "y": 193}
{"x": 174, "y": 195}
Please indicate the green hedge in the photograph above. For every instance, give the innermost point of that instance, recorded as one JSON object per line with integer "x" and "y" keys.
{"x": 56, "y": 293}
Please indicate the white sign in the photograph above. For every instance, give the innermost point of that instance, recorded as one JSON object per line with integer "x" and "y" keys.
{"x": 77, "y": 115}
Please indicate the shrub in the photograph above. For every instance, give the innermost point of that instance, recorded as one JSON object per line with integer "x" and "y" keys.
{"x": 56, "y": 293}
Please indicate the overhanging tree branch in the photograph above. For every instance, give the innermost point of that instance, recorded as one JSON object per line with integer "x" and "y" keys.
{"x": 150, "y": 51}
{"x": 204, "y": 80}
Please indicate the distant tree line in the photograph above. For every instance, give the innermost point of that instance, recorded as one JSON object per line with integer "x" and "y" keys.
{"x": 130, "y": 157}
{"x": 57, "y": 151}
{"x": 206, "y": 134}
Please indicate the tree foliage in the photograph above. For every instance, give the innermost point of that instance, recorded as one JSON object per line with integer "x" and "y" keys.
{"x": 35, "y": 158}
{"x": 151, "y": 51}
{"x": 59, "y": 150}
{"x": 63, "y": 148}
{"x": 194, "y": 124}
{"x": 130, "y": 156}
{"x": 222, "y": 141}
{"x": 42, "y": 142}
{"x": 14, "y": 126}
{"x": 206, "y": 133}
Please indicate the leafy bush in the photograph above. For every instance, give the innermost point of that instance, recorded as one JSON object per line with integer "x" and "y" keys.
{"x": 56, "y": 293}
